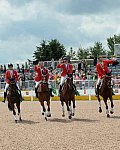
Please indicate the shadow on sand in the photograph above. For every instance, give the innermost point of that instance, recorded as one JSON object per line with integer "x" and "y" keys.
{"x": 115, "y": 117}
{"x": 28, "y": 122}
{"x": 72, "y": 120}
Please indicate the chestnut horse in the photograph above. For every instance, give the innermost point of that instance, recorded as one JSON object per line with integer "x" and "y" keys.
{"x": 105, "y": 91}
{"x": 67, "y": 96}
{"x": 44, "y": 95}
{"x": 13, "y": 98}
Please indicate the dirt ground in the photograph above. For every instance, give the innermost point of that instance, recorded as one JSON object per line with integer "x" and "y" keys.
{"x": 88, "y": 130}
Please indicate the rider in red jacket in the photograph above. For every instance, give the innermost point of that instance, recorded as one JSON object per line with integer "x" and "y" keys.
{"x": 102, "y": 69}
{"x": 41, "y": 70}
{"x": 11, "y": 75}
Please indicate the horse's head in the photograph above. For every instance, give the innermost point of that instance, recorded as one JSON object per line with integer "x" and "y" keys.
{"x": 107, "y": 80}
{"x": 13, "y": 86}
{"x": 69, "y": 79}
{"x": 43, "y": 86}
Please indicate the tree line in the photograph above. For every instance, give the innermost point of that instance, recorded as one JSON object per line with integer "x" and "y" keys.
{"x": 53, "y": 49}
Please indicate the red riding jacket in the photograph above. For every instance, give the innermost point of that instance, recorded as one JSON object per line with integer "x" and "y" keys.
{"x": 102, "y": 68}
{"x": 66, "y": 69}
{"x": 11, "y": 75}
{"x": 39, "y": 71}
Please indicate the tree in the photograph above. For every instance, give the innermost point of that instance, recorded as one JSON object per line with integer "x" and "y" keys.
{"x": 72, "y": 54}
{"x": 48, "y": 50}
{"x": 111, "y": 41}
{"x": 97, "y": 50}
{"x": 82, "y": 53}
{"x": 57, "y": 50}
{"x": 42, "y": 53}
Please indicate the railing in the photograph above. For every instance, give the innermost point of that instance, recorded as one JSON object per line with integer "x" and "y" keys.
{"x": 80, "y": 84}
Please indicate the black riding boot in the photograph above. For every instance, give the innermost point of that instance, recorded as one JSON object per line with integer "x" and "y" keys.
{"x": 21, "y": 98}
{"x": 36, "y": 92}
{"x": 51, "y": 93}
{"x": 5, "y": 95}
{"x": 60, "y": 89}
{"x": 97, "y": 91}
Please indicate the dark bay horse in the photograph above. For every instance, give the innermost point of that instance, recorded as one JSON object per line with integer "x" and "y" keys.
{"x": 105, "y": 91}
{"x": 67, "y": 96}
{"x": 44, "y": 95}
{"x": 13, "y": 98}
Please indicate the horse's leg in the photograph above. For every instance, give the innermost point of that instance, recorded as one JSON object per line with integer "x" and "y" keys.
{"x": 63, "y": 110}
{"x": 99, "y": 101}
{"x": 44, "y": 110}
{"x": 68, "y": 109}
{"x": 48, "y": 110}
{"x": 14, "y": 113}
{"x": 73, "y": 114}
{"x": 112, "y": 105}
{"x": 19, "y": 114}
{"x": 107, "y": 111}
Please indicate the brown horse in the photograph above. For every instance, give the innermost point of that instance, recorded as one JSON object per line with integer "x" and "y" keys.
{"x": 105, "y": 91}
{"x": 67, "y": 95}
{"x": 44, "y": 95}
{"x": 13, "y": 98}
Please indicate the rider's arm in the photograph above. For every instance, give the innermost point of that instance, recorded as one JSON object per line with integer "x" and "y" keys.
{"x": 106, "y": 63}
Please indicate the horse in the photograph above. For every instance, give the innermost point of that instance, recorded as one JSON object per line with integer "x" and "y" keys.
{"x": 105, "y": 91}
{"x": 44, "y": 95}
{"x": 13, "y": 98}
{"x": 67, "y": 96}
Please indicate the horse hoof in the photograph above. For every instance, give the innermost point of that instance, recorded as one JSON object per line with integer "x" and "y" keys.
{"x": 100, "y": 110}
{"x": 63, "y": 115}
{"x": 111, "y": 112}
{"x": 20, "y": 119}
{"x": 49, "y": 115}
{"x": 46, "y": 118}
{"x": 70, "y": 117}
{"x": 42, "y": 113}
{"x": 15, "y": 121}
{"x": 73, "y": 114}
{"x": 108, "y": 116}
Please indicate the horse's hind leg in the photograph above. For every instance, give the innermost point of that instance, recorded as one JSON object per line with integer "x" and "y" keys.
{"x": 63, "y": 110}
{"x": 112, "y": 105}
{"x": 19, "y": 114}
{"x": 68, "y": 109}
{"x": 100, "y": 109}
{"x": 107, "y": 111}
{"x": 48, "y": 110}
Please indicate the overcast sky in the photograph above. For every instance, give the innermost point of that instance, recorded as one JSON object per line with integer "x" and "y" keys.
{"x": 75, "y": 23}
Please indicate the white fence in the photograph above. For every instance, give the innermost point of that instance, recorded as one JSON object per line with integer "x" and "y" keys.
{"x": 80, "y": 84}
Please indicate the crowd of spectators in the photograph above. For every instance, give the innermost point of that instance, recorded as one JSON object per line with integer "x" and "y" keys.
{"x": 81, "y": 71}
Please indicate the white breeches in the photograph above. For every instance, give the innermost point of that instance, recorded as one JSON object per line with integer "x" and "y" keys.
{"x": 7, "y": 86}
{"x": 63, "y": 80}
{"x": 37, "y": 83}
{"x": 98, "y": 82}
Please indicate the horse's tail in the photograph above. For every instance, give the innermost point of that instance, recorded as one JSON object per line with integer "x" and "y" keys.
{"x": 9, "y": 107}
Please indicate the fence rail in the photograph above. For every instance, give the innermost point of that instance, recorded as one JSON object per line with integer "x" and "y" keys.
{"x": 80, "y": 84}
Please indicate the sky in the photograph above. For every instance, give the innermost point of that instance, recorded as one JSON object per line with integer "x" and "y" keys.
{"x": 75, "y": 23}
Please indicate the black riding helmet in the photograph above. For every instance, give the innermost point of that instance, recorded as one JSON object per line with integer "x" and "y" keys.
{"x": 10, "y": 65}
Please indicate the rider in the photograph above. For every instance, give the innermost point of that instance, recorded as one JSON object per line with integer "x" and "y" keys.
{"x": 102, "y": 70}
{"x": 67, "y": 70}
{"x": 41, "y": 70}
{"x": 11, "y": 75}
